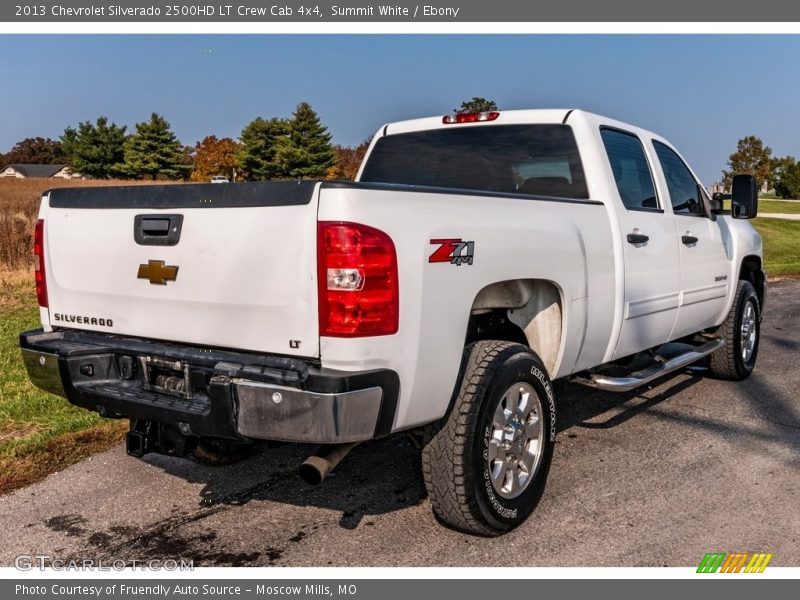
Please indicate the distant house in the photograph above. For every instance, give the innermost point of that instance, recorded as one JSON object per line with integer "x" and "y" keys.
{"x": 45, "y": 171}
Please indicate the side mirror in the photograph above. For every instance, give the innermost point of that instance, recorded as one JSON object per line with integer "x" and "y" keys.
{"x": 744, "y": 197}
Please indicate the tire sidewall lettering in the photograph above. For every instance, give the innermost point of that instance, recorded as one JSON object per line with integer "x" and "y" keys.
{"x": 747, "y": 298}
{"x": 508, "y": 511}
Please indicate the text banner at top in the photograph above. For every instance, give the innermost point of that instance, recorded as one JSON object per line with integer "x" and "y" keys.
{"x": 464, "y": 11}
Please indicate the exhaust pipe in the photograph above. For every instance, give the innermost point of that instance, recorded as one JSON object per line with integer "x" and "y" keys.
{"x": 324, "y": 460}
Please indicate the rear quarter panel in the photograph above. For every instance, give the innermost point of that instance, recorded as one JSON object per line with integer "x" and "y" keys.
{"x": 568, "y": 243}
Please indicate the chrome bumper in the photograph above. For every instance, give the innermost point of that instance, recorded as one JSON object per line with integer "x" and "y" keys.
{"x": 275, "y": 412}
{"x": 234, "y": 397}
{"x": 43, "y": 371}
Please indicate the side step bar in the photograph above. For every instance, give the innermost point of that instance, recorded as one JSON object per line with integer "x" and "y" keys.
{"x": 646, "y": 375}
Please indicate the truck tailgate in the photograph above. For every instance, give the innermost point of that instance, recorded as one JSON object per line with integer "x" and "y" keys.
{"x": 244, "y": 271}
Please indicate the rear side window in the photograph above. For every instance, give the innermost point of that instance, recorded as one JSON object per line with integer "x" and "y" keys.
{"x": 684, "y": 192}
{"x": 537, "y": 160}
{"x": 631, "y": 169}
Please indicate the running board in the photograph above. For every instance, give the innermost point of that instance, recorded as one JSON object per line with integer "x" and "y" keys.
{"x": 639, "y": 378}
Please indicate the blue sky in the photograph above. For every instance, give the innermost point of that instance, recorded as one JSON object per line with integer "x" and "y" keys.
{"x": 701, "y": 92}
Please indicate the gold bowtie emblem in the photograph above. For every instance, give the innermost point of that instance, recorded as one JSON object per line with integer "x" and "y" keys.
{"x": 157, "y": 272}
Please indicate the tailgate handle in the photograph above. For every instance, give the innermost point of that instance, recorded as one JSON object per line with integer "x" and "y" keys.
{"x": 157, "y": 230}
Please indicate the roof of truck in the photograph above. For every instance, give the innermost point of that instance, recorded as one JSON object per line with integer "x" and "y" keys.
{"x": 508, "y": 117}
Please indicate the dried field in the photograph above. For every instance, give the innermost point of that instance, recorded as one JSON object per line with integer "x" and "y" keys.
{"x": 19, "y": 205}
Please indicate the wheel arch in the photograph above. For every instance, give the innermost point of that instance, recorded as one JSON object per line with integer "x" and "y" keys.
{"x": 751, "y": 270}
{"x": 526, "y": 311}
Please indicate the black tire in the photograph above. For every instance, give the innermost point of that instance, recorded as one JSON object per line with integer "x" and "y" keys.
{"x": 216, "y": 452}
{"x": 729, "y": 361}
{"x": 455, "y": 462}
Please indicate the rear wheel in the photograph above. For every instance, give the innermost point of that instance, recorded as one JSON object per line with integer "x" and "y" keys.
{"x": 486, "y": 463}
{"x": 741, "y": 331}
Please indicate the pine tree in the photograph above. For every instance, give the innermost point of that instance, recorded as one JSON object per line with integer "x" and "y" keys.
{"x": 257, "y": 153}
{"x": 306, "y": 151}
{"x": 154, "y": 151}
{"x": 95, "y": 150}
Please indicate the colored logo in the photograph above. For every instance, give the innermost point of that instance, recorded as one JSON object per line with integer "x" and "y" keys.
{"x": 735, "y": 562}
{"x": 454, "y": 251}
{"x": 157, "y": 272}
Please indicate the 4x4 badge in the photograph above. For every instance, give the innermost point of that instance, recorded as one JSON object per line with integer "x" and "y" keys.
{"x": 453, "y": 251}
{"x": 157, "y": 272}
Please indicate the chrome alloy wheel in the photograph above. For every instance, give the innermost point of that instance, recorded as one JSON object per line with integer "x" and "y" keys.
{"x": 515, "y": 444}
{"x": 748, "y": 331}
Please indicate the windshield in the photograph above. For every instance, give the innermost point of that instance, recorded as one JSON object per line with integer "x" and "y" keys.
{"x": 538, "y": 160}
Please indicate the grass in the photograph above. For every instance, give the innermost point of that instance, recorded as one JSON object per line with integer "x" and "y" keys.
{"x": 781, "y": 245}
{"x": 39, "y": 433}
{"x": 778, "y": 206}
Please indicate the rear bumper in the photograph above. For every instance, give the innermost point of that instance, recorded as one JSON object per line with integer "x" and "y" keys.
{"x": 230, "y": 394}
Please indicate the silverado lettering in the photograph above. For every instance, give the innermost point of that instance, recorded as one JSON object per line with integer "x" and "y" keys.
{"x": 83, "y": 320}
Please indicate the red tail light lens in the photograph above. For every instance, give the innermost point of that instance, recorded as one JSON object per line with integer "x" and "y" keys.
{"x": 38, "y": 254}
{"x": 357, "y": 273}
{"x": 470, "y": 117}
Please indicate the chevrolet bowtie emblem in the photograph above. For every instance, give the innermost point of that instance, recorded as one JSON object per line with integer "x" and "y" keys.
{"x": 157, "y": 272}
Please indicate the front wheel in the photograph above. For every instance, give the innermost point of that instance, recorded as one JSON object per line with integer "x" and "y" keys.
{"x": 741, "y": 330}
{"x": 486, "y": 463}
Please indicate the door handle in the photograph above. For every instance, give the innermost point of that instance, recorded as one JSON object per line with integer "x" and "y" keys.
{"x": 157, "y": 230}
{"x": 637, "y": 238}
{"x": 689, "y": 240}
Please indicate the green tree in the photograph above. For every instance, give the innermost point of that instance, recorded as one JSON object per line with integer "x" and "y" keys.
{"x": 477, "y": 104}
{"x": 777, "y": 168}
{"x": 154, "y": 151}
{"x": 94, "y": 149}
{"x": 752, "y": 157}
{"x": 257, "y": 154}
{"x": 35, "y": 151}
{"x": 787, "y": 184}
{"x": 306, "y": 151}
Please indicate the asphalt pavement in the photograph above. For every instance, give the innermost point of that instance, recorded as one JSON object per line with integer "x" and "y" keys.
{"x": 656, "y": 477}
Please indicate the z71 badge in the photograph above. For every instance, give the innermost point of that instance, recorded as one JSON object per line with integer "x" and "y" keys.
{"x": 453, "y": 251}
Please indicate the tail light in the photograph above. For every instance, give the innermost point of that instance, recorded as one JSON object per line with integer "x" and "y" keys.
{"x": 474, "y": 117}
{"x": 38, "y": 254}
{"x": 357, "y": 272}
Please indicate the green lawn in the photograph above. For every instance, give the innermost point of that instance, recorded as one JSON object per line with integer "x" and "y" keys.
{"x": 39, "y": 433}
{"x": 777, "y": 206}
{"x": 781, "y": 245}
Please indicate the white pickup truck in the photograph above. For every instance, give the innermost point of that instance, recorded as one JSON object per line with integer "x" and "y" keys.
{"x": 476, "y": 258}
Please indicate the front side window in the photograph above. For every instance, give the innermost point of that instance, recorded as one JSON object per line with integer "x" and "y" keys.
{"x": 536, "y": 160}
{"x": 631, "y": 170}
{"x": 684, "y": 191}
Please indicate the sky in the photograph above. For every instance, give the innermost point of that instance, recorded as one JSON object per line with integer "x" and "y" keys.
{"x": 701, "y": 92}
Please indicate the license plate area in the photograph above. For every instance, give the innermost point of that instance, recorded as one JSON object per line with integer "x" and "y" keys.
{"x": 165, "y": 376}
